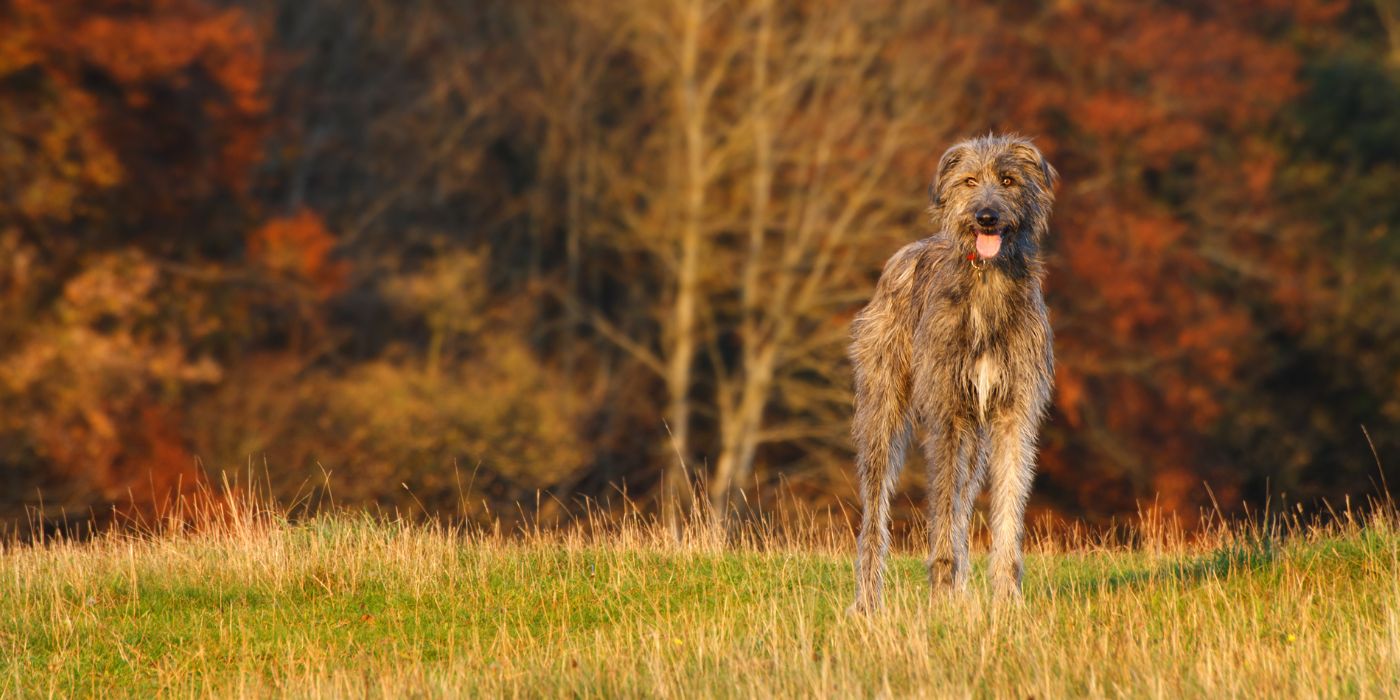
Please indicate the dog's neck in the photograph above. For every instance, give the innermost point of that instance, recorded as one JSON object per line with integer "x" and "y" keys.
{"x": 1019, "y": 259}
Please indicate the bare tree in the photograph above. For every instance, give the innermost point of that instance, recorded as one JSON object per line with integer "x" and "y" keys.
{"x": 778, "y": 152}
{"x": 862, "y": 93}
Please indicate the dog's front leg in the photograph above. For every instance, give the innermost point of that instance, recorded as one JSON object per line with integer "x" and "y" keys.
{"x": 1012, "y": 467}
{"x": 948, "y": 450}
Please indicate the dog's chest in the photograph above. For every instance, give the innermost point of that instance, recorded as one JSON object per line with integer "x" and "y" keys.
{"x": 985, "y": 369}
{"x": 983, "y": 364}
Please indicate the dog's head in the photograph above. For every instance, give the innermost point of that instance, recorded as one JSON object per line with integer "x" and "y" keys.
{"x": 993, "y": 194}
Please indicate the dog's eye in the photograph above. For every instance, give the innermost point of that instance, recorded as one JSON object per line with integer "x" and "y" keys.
{"x": 1006, "y": 181}
{"x": 970, "y": 182}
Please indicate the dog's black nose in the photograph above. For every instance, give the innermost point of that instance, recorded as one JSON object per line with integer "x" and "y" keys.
{"x": 987, "y": 217}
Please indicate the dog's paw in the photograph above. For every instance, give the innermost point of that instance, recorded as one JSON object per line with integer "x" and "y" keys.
{"x": 859, "y": 610}
{"x": 1008, "y": 595}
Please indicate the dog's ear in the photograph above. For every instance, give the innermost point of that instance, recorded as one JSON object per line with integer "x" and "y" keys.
{"x": 1047, "y": 174}
{"x": 950, "y": 160}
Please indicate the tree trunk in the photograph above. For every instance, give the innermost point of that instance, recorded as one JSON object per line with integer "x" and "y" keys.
{"x": 740, "y": 424}
{"x": 740, "y": 434}
{"x": 678, "y": 494}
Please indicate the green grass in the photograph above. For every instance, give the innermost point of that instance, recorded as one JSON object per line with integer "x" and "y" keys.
{"x": 350, "y": 606}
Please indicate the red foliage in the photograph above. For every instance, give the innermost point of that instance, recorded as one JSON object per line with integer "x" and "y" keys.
{"x": 125, "y": 122}
{"x": 164, "y": 95}
{"x": 299, "y": 247}
{"x": 158, "y": 466}
{"x": 1133, "y": 96}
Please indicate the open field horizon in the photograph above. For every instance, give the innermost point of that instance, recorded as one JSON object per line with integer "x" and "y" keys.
{"x": 346, "y": 604}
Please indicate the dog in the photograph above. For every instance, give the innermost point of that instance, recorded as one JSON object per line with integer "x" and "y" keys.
{"x": 957, "y": 342}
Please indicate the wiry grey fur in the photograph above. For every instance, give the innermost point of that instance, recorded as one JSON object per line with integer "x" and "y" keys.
{"x": 961, "y": 348}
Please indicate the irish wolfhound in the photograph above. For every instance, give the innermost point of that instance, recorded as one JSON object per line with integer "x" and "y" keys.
{"x": 957, "y": 340}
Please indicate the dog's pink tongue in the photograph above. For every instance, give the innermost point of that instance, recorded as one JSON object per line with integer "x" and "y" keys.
{"x": 988, "y": 245}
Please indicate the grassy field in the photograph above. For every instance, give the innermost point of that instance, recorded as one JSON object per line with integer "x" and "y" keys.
{"x": 353, "y": 606}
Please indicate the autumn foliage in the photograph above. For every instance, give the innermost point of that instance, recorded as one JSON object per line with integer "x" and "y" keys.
{"x": 1164, "y": 117}
{"x": 298, "y": 249}
{"x": 457, "y": 259}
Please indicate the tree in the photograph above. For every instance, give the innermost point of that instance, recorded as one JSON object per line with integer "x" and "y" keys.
{"x": 127, "y": 127}
{"x": 762, "y": 185}
{"x": 1166, "y": 226}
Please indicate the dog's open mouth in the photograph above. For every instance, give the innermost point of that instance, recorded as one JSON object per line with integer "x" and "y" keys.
{"x": 988, "y": 244}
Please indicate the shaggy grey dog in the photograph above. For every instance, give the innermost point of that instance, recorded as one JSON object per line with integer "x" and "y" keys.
{"x": 957, "y": 341}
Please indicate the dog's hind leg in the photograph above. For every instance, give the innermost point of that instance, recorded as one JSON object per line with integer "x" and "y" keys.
{"x": 881, "y": 350}
{"x": 879, "y": 460}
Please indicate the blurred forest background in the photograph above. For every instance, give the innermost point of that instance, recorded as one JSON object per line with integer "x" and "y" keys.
{"x": 459, "y": 255}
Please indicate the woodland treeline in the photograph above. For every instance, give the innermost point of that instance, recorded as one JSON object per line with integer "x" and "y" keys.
{"x": 488, "y": 257}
